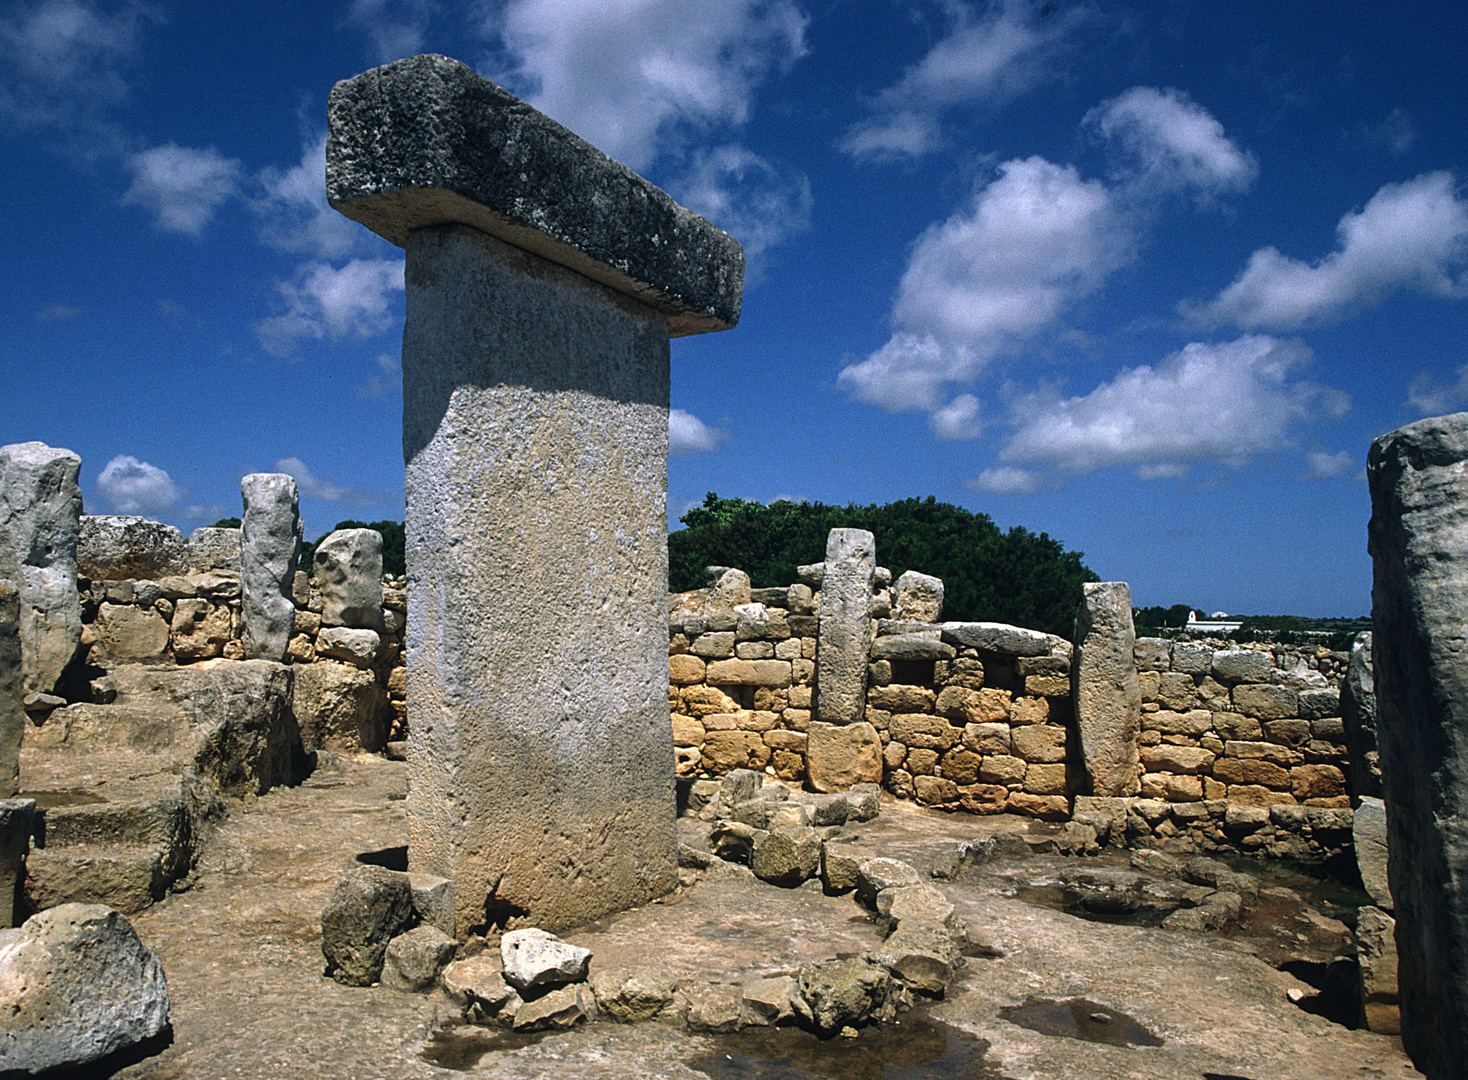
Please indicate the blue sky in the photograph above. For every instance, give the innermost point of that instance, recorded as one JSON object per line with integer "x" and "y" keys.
{"x": 1148, "y": 277}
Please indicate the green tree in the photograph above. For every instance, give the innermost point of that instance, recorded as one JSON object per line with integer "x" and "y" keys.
{"x": 1017, "y": 576}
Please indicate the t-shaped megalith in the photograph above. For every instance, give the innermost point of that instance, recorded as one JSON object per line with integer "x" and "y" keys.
{"x": 543, "y": 282}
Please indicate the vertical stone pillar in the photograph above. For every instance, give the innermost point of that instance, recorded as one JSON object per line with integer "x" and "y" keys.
{"x": 40, "y": 520}
{"x": 347, "y": 566}
{"x": 1358, "y": 715}
{"x": 12, "y": 711}
{"x": 270, "y": 545}
{"x": 543, "y": 283}
{"x": 1418, "y": 476}
{"x": 1108, "y": 698}
{"x": 842, "y": 749}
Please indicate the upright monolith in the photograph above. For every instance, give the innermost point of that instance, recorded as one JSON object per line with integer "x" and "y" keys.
{"x": 12, "y": 714}
{"x": 543, "y": 283}
{"x": 1418, "y": 476}
{"x": 347, "y": 566}
{"x": 1108, "y": 696}
{"x": 40, "y": 519}
{"x": 270, "y": 543}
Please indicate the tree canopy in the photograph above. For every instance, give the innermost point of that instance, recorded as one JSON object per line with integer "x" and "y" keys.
{"x": 1018, "y": 576}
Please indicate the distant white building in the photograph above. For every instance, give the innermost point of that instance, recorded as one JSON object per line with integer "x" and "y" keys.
{"x": 1217, "y": 623}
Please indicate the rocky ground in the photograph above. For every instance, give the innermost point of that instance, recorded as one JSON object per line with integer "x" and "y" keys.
{"x": 1047, "y": 994}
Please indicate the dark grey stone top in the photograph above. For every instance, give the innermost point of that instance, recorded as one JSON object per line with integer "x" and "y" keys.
{"x": 426, "y": 141}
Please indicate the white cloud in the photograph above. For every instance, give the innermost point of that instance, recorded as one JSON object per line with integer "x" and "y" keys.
{"x": 135, "y": 487}
{"x": 336, "y": 302}
{"x": 395, "y": 28}
{"x": 1032, "y": 243}
{"x": 1168, "y": 141}
{"x": 745, "y": 195}
{"x": 984, "y": 57}
{"x": 312, "y": 486}
{"x": 1322, "y": 465}
{"x": 1412, "y": 235}
{"x": 627, "y": 75}
{"x": 959, "y": 419}
{"x": 180, "y": 186}
{"x": 59, "y": 313}
{"x": 293, "y": 215}
{"x": 1225, "y": 403}
{"x": 1005, "y": 480}
{"x": 687, "y": 434}
{"x": 1431, "y": 395}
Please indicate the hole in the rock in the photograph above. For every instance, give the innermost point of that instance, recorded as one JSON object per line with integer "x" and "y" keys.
{"x": 499, "y": 914}
{"x": 1104, "y": 905}
{"x": 916, "y": 1049}
{"x": 912, "y": 672}
{"x": 1337, "y": 985}
{"x": 49, "y": 800}
{"x": 393, "y": 858}
{"x": 1077, "y": 1018}
{"x": 461, "y": 1046}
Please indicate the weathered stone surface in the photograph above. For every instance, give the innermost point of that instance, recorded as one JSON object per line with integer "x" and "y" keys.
{"x": 338, "y": 707}
{"x": 998, "y": 637}
{"x": 40, "y": 512}
{"x": 876, "y": 876}
{"x": 414, "y": 959}
{"x": 356, "y": 646}
{"x": 1369, "y": 839}
{"x": 477, "y": 983}
{"x": 748, "y": 673}
{"x": 347, "y": 569}
{"x": 1108, "y": 698}
{"x": 768, "y": 1002}
{"x": 1376, "y": 958}
{"x": 786, "y": 857}
{"x": 1419, "y": 549}
{"x": 922, "y": 953}
{"x": 535, "y": 423}
{"x": 712, "y": 1007}
{"x": 558, "y": 1010}
{"x": 1358, "y": 714}
{"x": 368, "y": 908}
{"x": 835, "y": 994}
{"x": 117, "y": 548}
{"x": 12, "y": 692}
{"x": 919, "y": 646}
{"x": 1241, "y": 665}
{"x": 211, "y": 549}
{"x": 845, "y": 640}
{"x": 199, "y": 630}
{"x": 16, "y": 816}
{"x": 270, "y": 540}
{"x": 77, "y": 985}
{"x": 917, "y": 596}
{"x": 839, "y": 756}
{"x": 631, "y": 997}
{"x": 534, "y": 958}
{"x": 126, "y": 632}
{"x": 425, "y": 141}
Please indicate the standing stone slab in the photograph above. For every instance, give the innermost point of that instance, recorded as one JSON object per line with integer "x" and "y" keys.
{"x": 12, "y": 712}
{"x": 1358, "y": 715}
{"x": 1418, "y": 476}
{"x": 1108, "y": 698}
{"x": 270, "y": 541}
{"x": 40, "y": 519}
{"x": 347, "y": 567}
{"x": 535, "y": 432}
{"x": 917, "y": 596}
{"x": 845, "y": 629}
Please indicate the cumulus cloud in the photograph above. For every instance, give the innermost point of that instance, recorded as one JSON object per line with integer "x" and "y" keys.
{"x": 988, "y": 55}
{"x": 1323, "y": 465}
{"x": 1409, "y": 236}
{"x": 292, "y": 213}
{"x": 1028, "y": 246}
{"x": 1225, "y": 403}
{"x": 335, "y": 302}
{"x": 311, "y": 486}
{"x": 180, "y": 186}
{"x": 746, "y": 195}
{"x": 687, "y": 434}
{"x": 1167, "y": 141}
{"x": 1432, "y": 395}
{"x": 389, "y": 368}
{"x": 394, "y": 28}
{"x": 959, "y": 419}
{"x": 1005, "y": 480}
{"x": 131, "y": 486}
{"x": 628, "y": 75}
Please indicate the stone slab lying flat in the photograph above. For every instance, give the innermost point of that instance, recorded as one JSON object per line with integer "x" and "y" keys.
{"x": 425, "y": 141}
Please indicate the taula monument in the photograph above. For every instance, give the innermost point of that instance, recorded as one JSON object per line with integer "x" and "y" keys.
{"x": 544, "y": 281}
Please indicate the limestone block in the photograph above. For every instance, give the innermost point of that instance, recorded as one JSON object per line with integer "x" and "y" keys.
{"x": 1241, "y": 665}
{"x": 1177, "y": 691}
{"x": 415, "y": 959}
{"x": 1152, "y": 654}
{"x": 748, "y": 673}
{"x": 1376, "y": 956}
{"x": 1185, "y": 760}
{"x": 836, "y": 994}
{"x": 368, "y": 908}
{"x": 1002, "y": 769}
{"x": 535, "y": 958}
{"x": 78, "y": 986}
{"x": 1358, "y": 713}
{"x": 1171, "y": 787}
{"x": 725, "y": 750}
{"x": 1047, "y": 685}
{"x": 912, "y": 647}
{"x": 1266, "y": 702}
{"x": 12, "y": 709}
{"x": 631, "y": 997}
{"x": 349, "y": 644}
{"x": 900, "y": 698}
{"x": 1045, "y": 779}
{"x": 117, "y": 548}
{"x": 40, "y": 512}
{"x": 1193, "y": 723}
{"x": 1044, "y": 807}
{"x": 714, "y": 645}
{"x": 987, "y": 739}
{"x": 684, "y": 670}
{"x": 845, "y": 639}
{"x": 1027, "y": 710}
{"x": 338, "y": 707}
{"x": 786, "y": 856}
{"x": 347, "y": 569}
{"x": 130, "y": 633}
{"x": 1192, "y": 657}
{"x": 960, "y": 765}
{"x": 921, "y": 761}
{"x": 917, "y": 596}
{"x": 209, "y": 549}
{"x": 1369, "y": 838}
{"x": 1290, "y": 732}
{"x": 270, "y": 537}
{"x": 755, "y": 650}
{"x": 923, "y": 730}
{"x": 426, "y": 140}
{"x": 199, "y": 630}
{"x": 1107, "y": 695}
{"x": 934, "y": 790}
{"x": 1042, "y": 743}
{"x": 1318, "y": 781}
{"x": 1320, "y": 703}
{"x": 1251, "y": 771}
{"x": 840, "y": 756}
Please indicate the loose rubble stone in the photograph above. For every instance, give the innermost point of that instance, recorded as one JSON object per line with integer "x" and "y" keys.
{"x": 534, "y": 958}
{"x": 918, "y": 596}
{"x": 40, "y": 515}
{"x": 714, "y": 1008}
{"x": 922, "y": 953}
{"x": 1419, "y": 608}
{"x": 786, "y": 857}
{"x": 270, "y": 538}
{"x": 768, "y": 1002}
{"x": 835, "y": 994}
{"x": 558, "y": 1010}
{"x": 414, "y": 959}
{"x": 1376, "y": 958}
{"x": 477, "y": 984}
{"x": 845, "y": 626}
{"x": 1108, "y": 698}
{"x": 879, "y": 874}
{"x": 633, "y": 997}
{"x": 78, "y": 985}
{"x": 367, "y": 909}
{"x": 347, "y": 569}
